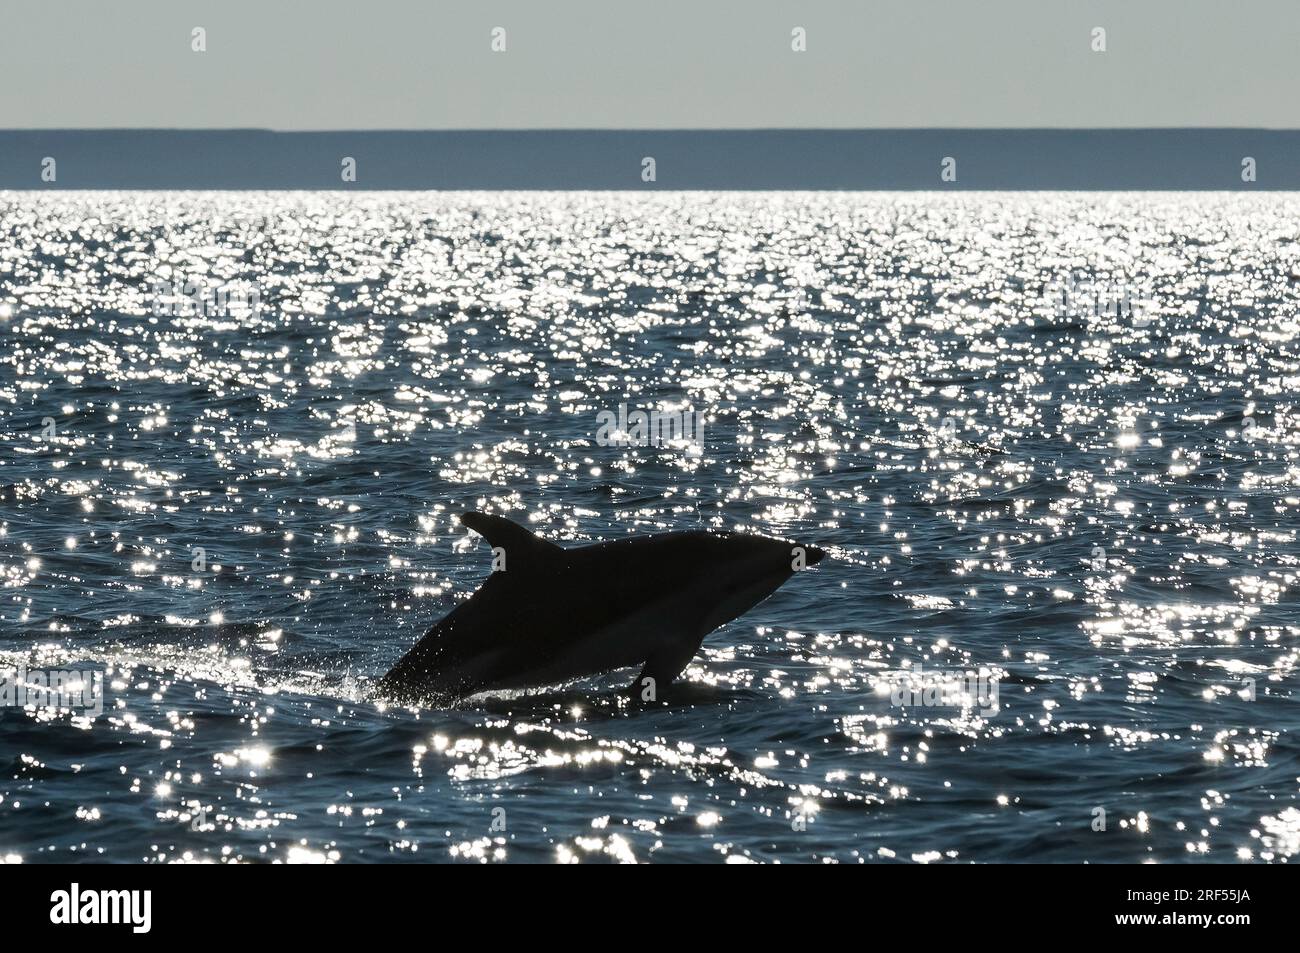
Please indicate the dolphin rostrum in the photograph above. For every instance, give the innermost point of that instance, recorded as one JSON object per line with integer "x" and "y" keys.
{"x": 548, "y": 615}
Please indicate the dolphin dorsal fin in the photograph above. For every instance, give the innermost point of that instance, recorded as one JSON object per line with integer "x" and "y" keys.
{"x": 522, "y": 547}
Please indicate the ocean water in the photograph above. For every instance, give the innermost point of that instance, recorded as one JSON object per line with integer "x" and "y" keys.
{"x": 1048, "y": 440}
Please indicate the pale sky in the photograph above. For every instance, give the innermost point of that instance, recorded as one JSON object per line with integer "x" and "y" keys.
{"x": 686, "y": 64}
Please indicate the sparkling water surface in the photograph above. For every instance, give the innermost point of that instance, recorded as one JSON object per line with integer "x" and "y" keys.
{"x": 1095, "y": 503}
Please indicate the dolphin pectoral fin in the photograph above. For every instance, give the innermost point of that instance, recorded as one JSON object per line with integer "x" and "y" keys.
{"x": 661, "y": 669}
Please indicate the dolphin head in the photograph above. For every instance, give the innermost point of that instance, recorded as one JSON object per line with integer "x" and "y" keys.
{"x": 744, "y": 570}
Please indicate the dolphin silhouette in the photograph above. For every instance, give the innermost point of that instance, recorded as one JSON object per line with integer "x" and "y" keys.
{"x": 548, "y": 615}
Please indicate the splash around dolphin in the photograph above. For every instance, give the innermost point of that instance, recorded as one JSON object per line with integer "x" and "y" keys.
{"x": 548, "y": 615}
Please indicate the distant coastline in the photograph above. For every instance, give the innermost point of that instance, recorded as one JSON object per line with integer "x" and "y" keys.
{"x": 761, "y": 159}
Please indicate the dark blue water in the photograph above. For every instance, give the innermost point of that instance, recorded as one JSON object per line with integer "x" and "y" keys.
{"x": 238, "y": 519}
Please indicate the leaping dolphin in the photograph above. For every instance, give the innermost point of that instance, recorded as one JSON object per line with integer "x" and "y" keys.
{"x": 548, "y": 615}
